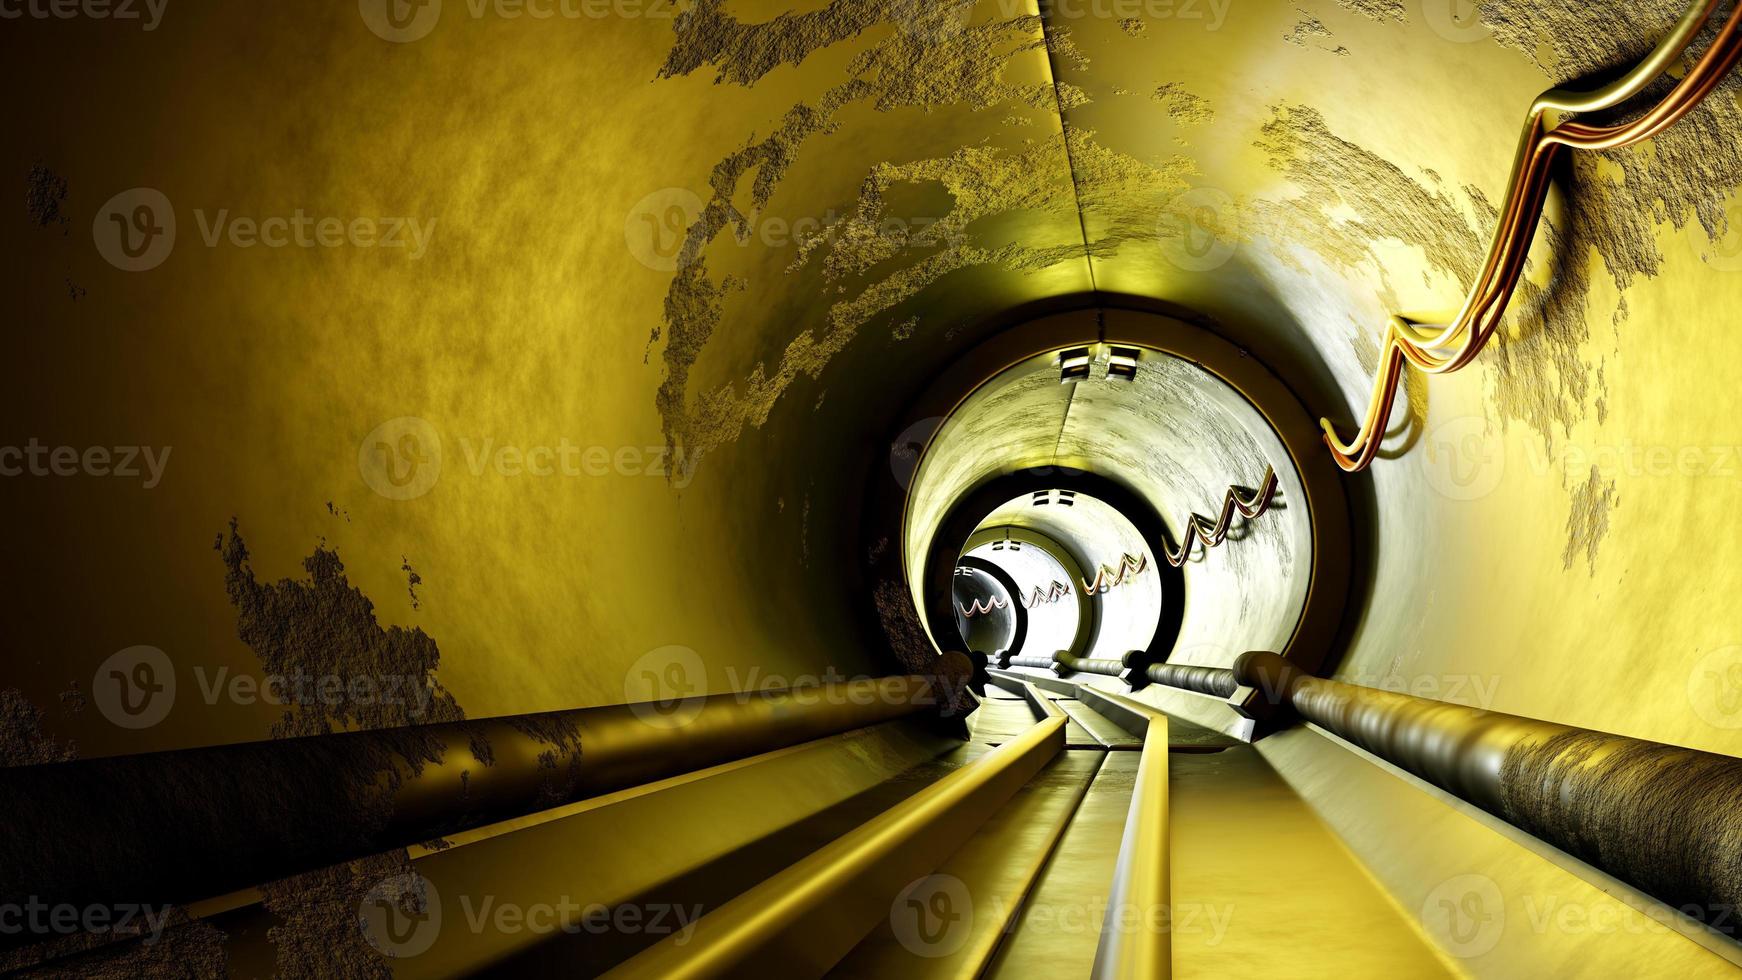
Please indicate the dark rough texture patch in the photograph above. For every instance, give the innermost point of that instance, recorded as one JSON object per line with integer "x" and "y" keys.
{"x": 325, "y": 627}
{"x": 22, "y": 740}
{"x": 1661, "y": 817}
{"x": 73, "y": 699}
{"x": 412, "y": 580}
{"x": 907, "y": 637}
{"x": 318, "y": 934}
{"x": 185, "y": 951}
{"x": 44, "y": 192}
{"x": 1588, "y": 523}
{"x": 1134, "y": 26}
{"x": 560, "y": 765}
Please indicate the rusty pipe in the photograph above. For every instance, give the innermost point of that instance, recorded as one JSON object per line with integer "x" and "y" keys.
{"x": 1661, "y": 817}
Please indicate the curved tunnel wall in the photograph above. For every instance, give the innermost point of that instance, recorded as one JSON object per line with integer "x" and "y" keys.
{"x": 558, "y": 302}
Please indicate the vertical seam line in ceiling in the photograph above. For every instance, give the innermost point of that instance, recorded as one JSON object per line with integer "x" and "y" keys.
{"x": 1070, "y": 162}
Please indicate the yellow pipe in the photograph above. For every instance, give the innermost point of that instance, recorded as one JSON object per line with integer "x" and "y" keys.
{"x": 1137, "y": 933}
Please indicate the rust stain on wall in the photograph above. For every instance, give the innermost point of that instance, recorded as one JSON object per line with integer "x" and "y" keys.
{"x": 325, "y": 627}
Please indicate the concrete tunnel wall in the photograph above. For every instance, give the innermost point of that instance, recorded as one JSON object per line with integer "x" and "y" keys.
{"x": 1534, "y": 543}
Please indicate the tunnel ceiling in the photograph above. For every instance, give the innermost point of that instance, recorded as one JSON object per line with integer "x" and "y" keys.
{"x": 742, "y": 238}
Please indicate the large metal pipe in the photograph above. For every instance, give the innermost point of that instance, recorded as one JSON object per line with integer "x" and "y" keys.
{"x": 1664, "y": 818}
{"x": 1099, "y": 665}
{"x": 173, "y": 827}
{"x": 1214, "y": 681}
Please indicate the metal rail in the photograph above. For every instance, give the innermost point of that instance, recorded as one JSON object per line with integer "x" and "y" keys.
{"x": 804, "y": 919}
{"x": 1441, "y": 349}
{"x": 1137, "y": 932}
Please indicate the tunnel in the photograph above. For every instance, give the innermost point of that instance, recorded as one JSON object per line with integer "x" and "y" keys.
{"x": 872, "y": 488}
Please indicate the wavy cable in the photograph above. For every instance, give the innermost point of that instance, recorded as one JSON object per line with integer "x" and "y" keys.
{"x": 1047, "y": 596}
{"x": 1106, "y": 578}
{"x": 975, "y": 609}
{"x": 1202, "y": 530}
{"x": 1444, "y": 348}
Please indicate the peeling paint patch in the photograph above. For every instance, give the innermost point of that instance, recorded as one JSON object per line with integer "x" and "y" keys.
{"x": 905, "y": 328}
{"x": 324, "y": 627}
{"x": 982, "y": 181}
{"x": 1540, "y": 376}
{"x": 1310, "y": 28}
{"x": 1183, "y": 106}
{"x": 1134, "y": 26}
{"x": 932, "y": 59}
{"x": 1617, "y": 199}
{"x": 1380, "y": 10}
{"x": 1588, "y": 523}
{"x": 22, "y": 740}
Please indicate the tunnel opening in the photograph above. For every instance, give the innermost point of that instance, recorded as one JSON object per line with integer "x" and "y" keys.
{"x": 1109, "y": 433}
